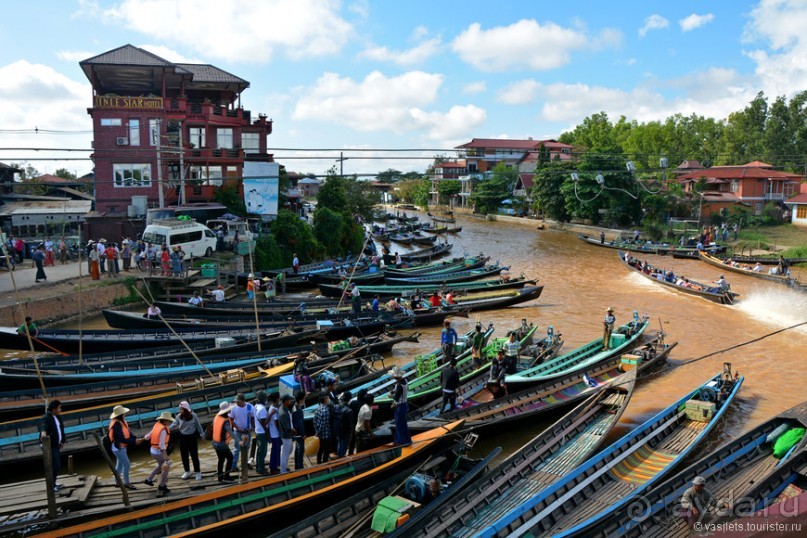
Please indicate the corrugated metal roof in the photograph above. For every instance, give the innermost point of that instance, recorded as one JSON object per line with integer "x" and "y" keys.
{"x": 45, "y": 208}
{"x": 130, "y": 55}
{"x": 210, "y": 73}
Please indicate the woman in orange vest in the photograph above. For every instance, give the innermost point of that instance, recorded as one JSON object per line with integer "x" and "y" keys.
{"x": 120, "y": 438}
{"x": 159, "y": 438}
{"x": 222, "y": 434}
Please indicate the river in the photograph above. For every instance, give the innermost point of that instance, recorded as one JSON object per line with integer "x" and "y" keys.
{"x": 580, "y": 281}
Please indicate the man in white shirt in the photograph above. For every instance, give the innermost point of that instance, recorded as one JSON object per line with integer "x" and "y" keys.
{"x": 243, "y": 418}
{"x": 196, "y": 300}
{"x": 364, "y": 427}
{"x": 217, "y": 294}
{"x": 261, "y": 419}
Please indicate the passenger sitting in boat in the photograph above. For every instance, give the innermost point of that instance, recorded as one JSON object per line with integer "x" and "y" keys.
{"x": 773, "y": 271}
{"x": 153, "y": 312}
{"x": 588, "y": 381}
{"x": 628, "y": 258}
{"x": 450, "y": 298}
{"x": 670, "y": 276}
{"x": 301, "y": 371}
{"x": 721, "y": 283}
{"x": 196, "y": 300}
{"x": 697, "y": 502}
{"x": 435, "y": 300}
{"x": 415, "y": 301}
{"x": 757, "y": 268}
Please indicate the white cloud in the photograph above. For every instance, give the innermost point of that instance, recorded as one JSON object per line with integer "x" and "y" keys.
{"x": 381, "y": 103}
{"x": 782, "y": 67}
{"x": 74, "y": 55}
{"x": 37, "y": 96}
{"x": 413, "y": 56}
{"x": 653, "y": 22}
{"x": 255, "y": 31}
{"x": 525, "y": 44}
{"x": 695, "y": 21}
{"x": 475, "y": 87}
{"x": 419, "y": 33}
{"x": 519, "y": 93}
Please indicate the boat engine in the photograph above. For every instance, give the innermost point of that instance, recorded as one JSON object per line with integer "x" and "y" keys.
{"x": 416, "y": 486}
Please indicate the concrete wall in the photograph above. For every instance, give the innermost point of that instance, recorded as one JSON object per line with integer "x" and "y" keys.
{"x": 61, "y": 307}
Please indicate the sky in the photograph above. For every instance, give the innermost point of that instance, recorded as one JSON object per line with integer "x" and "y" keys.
{"x": 374, "y": 78}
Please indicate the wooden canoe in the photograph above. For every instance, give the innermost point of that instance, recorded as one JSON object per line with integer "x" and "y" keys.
{"x": 483, "y": 413}
{"x": 728, "y": 265}
{"x": 613, "y": 478}
{"x": 648, "y": 248}
{"x": 427, "y": 386}
{"x": 272, "y": 503}
{"x": 19, "y": 439}
{"x": 388, "y": 292}
{"x": 541, "y": 462}
{"x": 354, "y": 514}
{"x": 426, "y": 254}
{"x": 743, "y": 470}
{"x": 699, "y": 290}
{"x": 623, "y": 338}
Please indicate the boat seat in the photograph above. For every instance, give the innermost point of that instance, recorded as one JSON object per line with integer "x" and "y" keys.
{"x": 433, "y": 463}
{"x": 642, "y": 465}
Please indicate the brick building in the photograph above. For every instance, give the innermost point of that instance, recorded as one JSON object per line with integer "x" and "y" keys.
{"x": 159, "y": 126}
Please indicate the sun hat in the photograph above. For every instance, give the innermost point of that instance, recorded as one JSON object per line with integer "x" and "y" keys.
{"x": 266, "y": 279}
{"x": 610, "y": 309}
{"x": 90, "y": 242}
{"x": 225, "y": 407}
{"x": 698, "y": 481}
{"x": 185, "y": 405}
{"x": 166, "y": 415}
{"x": 250, "y": 275}
{"x": 396, "y": 372}
{"x": 117, "y": 411}
{"x": 102, "y": 240}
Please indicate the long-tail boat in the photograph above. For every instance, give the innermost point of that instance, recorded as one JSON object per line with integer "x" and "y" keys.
{"x": 742, "y": 475}
{"x": 271, "y": 503}
{"x": 485, "y": 413}
{"x": 732, "y": 266}
{"x": 387, "y": 292}
{"x": 688, "y": 286}
{"x": 620, "y": 473}
{"x": 541, "y": 462}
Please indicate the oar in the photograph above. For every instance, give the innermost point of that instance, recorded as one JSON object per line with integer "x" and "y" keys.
{"x": 37, "y": 340}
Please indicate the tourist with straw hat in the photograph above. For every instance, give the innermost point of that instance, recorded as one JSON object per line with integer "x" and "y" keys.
{"x": 159, "y": 438}
{"x": 120, "y": 437}
{"x": 608, "y": 328}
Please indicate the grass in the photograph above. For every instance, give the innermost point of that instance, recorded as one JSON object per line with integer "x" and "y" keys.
{"x": 786, "y": 239}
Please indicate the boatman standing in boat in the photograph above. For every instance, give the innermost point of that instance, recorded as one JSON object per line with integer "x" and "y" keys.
{"x": 448, "y": 341}
{"x": 721, "y": 283}
{"x": 399, "y": 396}
{"x": 608, "y": 322}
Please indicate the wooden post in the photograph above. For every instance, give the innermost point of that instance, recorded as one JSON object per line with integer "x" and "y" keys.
{"x": 118, "y": 480}
{"x": 70, "y": 464}
{"x": 50, "y": 480}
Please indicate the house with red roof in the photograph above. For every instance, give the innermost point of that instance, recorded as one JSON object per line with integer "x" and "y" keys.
{"x": 482, "y": 155}
{"x": 798, "y": 209}
{"x": 752, "y": 185}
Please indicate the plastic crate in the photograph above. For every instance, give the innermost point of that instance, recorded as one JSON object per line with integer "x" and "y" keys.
{"x": 209, "y": 270}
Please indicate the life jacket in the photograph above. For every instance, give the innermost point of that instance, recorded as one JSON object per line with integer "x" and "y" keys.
{"x": 155, "y": 435}
{"x": 124, "y": 426}
{"x": 218, "y": 429}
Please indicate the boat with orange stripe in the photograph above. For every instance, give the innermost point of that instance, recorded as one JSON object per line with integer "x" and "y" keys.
{"x": 613, "y": 478}
{"x": 277, "y": 501}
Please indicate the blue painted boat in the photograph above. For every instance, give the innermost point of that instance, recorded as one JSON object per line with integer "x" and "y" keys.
{"x": 613, "y": 478}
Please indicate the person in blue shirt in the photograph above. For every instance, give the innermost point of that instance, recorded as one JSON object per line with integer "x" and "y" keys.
{"x": 448, "y": 341}
{"x": 375, "y": 303}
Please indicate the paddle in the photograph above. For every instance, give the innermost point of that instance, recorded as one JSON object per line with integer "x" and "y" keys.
{"x": 40, "y": 342}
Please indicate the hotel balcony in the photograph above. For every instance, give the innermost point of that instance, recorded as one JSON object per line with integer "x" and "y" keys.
{"x": 182, "y": 109}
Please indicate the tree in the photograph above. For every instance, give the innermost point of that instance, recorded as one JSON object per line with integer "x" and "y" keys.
{"x": 295, "y": 235}
{"x": 328, "y": 226}
{"x": 546, "y": 190}
{"x": 228, "y": 196}
{"x": 414, "y": 191}
{"x": 488, "y": 194}
{"x": 64, "y": 173}
{"x": 389, "y": 176}
{"x": 446, "y": 189}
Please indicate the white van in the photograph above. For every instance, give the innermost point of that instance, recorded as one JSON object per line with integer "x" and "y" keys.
{"x": 194, "y": 238}
{"x": 229, "y": 229}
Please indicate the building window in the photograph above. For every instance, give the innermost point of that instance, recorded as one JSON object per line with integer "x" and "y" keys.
{"x": 251, "y": 142}
{"x": 111, "y": 122}
{"x": 134, "y": 132}
{"x": 154, "y": 132}
{"x": 789, "y": 189}
{"x": 224, "y": 137}
{"x": 196, "y": 137}
{"x": 801, "y": 211}
{"x": 735, "y": 185}
{"x": 132, "y": 175}
{"x": 211, "y": 175}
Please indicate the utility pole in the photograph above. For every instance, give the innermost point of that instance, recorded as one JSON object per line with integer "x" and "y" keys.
{"x": 342, "y": 160}
{"x": 161, "y": 197}
{"x": 182, "y": 196}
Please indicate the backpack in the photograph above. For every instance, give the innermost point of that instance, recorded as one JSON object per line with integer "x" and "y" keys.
{"x": 209, "y": 431}
{"x": 343, "y": 421}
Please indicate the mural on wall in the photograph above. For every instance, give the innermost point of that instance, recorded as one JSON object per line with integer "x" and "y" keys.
{"x": 261, "y": 180}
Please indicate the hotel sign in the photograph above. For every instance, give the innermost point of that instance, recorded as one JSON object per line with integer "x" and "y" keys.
{"x": 142, "y": 103}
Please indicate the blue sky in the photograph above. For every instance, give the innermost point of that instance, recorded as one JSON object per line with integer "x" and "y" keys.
{"x": 379, "y": 75}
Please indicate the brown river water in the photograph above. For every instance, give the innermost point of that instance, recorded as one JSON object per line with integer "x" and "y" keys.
{"x": 580, "y": 281}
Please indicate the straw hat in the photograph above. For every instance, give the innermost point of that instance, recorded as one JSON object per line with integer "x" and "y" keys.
{"x": 102, "y": 240}
{"x": 167, "y": 416}
{"x": 225, "y": 407}
{"x": 117, "y": 411}
{"x": 90, "y": 242}
{"x": 610, "y": 309}
{"x": 396, "y": 372}
{"x": 266, "y": 279}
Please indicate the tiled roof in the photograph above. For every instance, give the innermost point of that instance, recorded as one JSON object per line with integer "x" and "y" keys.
{"x": 51, "y": 179}
{"x": 526, "y": 180}
{"x": 690, "y": 165}
{"x": 740, "y": 172}
{"x": 452, "y": 164}
{"x": 130, "y": 55}
{"x": 494, "y": 143}
{"x": 798, "y": 199}
{"x": 209, "y": 73}
{"x": 759, "y": 164}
